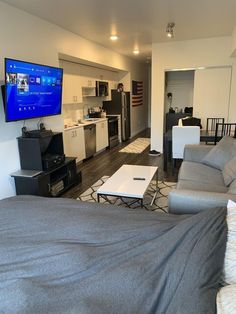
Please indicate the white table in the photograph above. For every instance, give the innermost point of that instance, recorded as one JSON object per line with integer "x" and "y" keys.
{"x": 123, "y": 184}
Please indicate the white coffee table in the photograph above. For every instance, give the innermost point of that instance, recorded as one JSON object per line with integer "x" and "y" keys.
{"x": 129, "y": 181}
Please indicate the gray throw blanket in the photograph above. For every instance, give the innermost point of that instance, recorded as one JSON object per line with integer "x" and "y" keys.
{"x": 66, "y": 256}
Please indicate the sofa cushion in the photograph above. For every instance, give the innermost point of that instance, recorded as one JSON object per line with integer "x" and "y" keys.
{"x": 222, "y": 153}
{"x": 229, "y": 171}
{"x": 200, "y": 173}
{"x": 200, "y": 186}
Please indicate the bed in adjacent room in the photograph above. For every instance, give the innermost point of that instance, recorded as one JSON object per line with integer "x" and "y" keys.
{"x": 66, "y": 256}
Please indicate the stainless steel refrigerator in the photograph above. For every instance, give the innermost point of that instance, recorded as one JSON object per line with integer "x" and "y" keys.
{"x": 120, "y": 105}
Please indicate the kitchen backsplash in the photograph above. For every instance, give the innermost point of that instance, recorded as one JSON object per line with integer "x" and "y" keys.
{"x": 78, "y": 111}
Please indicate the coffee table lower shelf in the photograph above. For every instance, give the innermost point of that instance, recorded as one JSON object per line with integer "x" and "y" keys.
{"x": 104, "y": 196}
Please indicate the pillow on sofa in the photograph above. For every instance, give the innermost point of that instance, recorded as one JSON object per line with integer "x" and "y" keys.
{"x": 229, "y": 171}
{"x": 222, "y": 153}
{"x": 230, "y": 253}
{"x": 226, "y": 302}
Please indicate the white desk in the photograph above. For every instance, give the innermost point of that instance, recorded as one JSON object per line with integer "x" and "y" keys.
{"x": 123, "y": 184}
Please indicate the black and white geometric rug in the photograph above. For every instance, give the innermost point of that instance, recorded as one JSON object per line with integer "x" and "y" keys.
{"x": 160, "y": 203}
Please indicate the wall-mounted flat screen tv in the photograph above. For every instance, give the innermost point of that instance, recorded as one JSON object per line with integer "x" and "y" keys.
{"x": 31, "y": 90}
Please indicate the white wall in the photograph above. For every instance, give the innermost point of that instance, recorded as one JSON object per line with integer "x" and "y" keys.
{"x": 189, "y": 54}
{"x": 26, "y": 37}
{"x": 212, "y": 93}
{"x": 233, "y": 46}
{"x": 149, "y": 94}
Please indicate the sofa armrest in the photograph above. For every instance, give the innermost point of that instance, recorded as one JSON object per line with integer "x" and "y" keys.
{"x": 196, "y": 152}
{"x": 191, "y": 202}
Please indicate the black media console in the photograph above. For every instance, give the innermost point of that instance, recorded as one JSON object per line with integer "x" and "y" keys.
{"x": 45, "y": 169}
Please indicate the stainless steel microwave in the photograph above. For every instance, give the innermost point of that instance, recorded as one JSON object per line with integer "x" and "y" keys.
{"x": 101, "y": 88}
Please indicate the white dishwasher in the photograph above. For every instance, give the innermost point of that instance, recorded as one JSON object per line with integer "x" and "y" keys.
{"x": 90, "y": 140}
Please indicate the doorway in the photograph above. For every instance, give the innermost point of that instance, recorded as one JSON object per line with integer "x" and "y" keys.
{"x": 179, "y": 87}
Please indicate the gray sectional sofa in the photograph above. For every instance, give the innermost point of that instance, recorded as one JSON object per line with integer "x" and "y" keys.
{"x": 207, "y": 178}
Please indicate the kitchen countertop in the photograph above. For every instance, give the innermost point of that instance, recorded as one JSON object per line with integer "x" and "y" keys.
{"x": 85, "y": 122}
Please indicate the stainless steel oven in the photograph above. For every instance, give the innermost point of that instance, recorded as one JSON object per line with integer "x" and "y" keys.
{"x": 113, "y": 131}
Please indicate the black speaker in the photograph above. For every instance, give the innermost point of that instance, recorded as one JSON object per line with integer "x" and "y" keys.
{"x": 32, "y": 150}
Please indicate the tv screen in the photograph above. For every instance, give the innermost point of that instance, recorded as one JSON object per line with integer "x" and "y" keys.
{"x": 31, "y": 90}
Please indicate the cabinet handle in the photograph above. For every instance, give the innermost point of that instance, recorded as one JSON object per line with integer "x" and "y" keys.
{"x": 49, "y": 187}
{"x": 74, "y": 134}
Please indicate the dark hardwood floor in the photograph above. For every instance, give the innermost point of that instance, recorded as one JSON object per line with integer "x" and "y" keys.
{"x": 110, "y": 160}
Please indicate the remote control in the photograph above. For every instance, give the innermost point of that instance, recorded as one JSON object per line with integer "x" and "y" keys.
{"x": 139, "y": 179}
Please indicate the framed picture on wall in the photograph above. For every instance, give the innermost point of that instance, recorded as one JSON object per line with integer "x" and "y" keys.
{"x": 137, "y": 93}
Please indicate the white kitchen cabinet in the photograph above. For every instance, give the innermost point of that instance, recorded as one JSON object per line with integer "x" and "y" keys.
{"x": 87, "y": 82}
{"x": 74, "y": 145}
{"x": 88, "y": 87}
{"x": 101, "y": 135}
{"x": 88, "y": 91}
{"x": 72, "y": 91}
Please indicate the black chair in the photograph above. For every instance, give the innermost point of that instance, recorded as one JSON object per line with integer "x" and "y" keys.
{"x": 191, "y": 121}
{"x": 188, "y": 110}
{"x": 211, "y": 124}
{"x": 223, "y": 129}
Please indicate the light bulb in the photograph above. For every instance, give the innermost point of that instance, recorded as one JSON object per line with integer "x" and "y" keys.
{"x": 113, "y": 37}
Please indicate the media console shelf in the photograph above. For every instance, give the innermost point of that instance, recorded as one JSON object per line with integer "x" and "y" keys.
{"x": 45, "y": 169}
{"x": 47, "y": 183}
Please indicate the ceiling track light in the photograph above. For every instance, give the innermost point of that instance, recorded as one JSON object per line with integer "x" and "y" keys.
{"x": 170, "y": 30}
